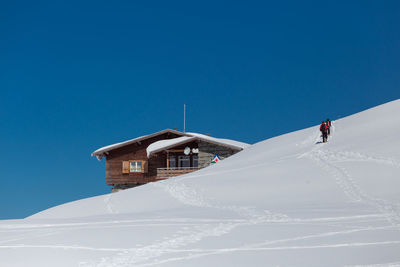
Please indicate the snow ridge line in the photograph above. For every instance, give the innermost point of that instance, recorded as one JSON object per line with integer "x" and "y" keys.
{"x": 32, "y": 227}
{"x": 63, "y": 247}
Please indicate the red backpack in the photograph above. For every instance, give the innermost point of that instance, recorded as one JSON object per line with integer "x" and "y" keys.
{"x": 328, "y": 123}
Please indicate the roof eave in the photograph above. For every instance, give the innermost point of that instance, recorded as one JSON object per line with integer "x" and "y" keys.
{"x": 101, "y": 152}
{"x": 221, "y": 144}
{"x": 191, "y": 140}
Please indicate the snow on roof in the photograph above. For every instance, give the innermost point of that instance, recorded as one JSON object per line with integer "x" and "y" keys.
{"x": 99, "y": 153}
{"x": 165, "y": 144}
{"x": 289, "y": 212}
{"x": 228, "y": 142}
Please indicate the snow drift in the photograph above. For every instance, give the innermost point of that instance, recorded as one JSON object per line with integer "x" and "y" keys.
{"x": 286, "y": 201}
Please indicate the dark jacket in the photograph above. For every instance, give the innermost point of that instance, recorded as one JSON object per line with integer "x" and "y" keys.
{"x": 324, "y": 127}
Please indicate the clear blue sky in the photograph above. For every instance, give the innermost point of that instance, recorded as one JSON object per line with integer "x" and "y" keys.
{"x": 78, "y": 75}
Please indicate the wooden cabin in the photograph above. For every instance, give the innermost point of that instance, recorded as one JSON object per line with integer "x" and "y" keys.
{"x": 161, "y": 155}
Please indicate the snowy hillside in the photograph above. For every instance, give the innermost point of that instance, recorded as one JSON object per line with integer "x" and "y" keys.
{"x": 286, "y": 201}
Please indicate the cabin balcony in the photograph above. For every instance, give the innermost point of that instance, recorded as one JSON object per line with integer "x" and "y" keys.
{"x": 165, "y": 173}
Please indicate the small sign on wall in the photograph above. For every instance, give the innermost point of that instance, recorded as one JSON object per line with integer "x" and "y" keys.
{"x": 215, "y": 159}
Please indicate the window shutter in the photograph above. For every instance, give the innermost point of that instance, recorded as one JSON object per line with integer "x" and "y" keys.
{"x": 125, "y": 167}
{"x": 145, "y": 167}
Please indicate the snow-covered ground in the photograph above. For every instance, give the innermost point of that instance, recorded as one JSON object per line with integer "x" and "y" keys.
{"x": 286, "y": 201}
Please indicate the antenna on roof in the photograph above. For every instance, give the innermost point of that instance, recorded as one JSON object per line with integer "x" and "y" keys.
{"x": 184, "y": 118}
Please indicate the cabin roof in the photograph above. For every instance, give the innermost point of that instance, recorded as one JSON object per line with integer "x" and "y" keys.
{"x": 220, "y": 141}
{"x": 165, "y": 144}
{"x": 99, "y": 153}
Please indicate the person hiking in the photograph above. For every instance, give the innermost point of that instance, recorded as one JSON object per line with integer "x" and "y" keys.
{"x": 324, "y": 130}
{"x": 328, "y": 124}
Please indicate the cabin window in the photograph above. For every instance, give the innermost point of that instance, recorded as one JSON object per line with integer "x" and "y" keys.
{"x": 195, "y": 161}
{"x": 135, "y": 166}
{"x": 184, "y": 161}
{"x": 172, "y": 162}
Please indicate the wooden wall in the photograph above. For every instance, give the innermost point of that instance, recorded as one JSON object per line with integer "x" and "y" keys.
{"x": 135, "y": 151}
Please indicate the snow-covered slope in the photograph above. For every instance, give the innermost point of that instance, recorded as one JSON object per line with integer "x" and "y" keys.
{"x": 286, "y": 201}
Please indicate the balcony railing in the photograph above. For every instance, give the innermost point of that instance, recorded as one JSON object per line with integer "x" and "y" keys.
{"x": 164, "y": 173}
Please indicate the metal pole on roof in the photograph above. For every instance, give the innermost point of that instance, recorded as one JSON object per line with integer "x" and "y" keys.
{"x": 184, "y": 118}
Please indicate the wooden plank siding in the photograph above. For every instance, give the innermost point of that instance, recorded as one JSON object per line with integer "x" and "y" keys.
{"x": 135, "y": 151}
{"x": 155, "y": 168}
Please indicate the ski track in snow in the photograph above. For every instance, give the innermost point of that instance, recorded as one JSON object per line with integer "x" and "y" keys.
{"x": 189, "y": 196}
{"x": 149, "y": 255}
{"x": 195, "y": 230}
{"x": 328, "y": 159}
{"x": 355, "y": 192}
{"x": 109, "y": 206}
{"x": 344, "y": 156}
